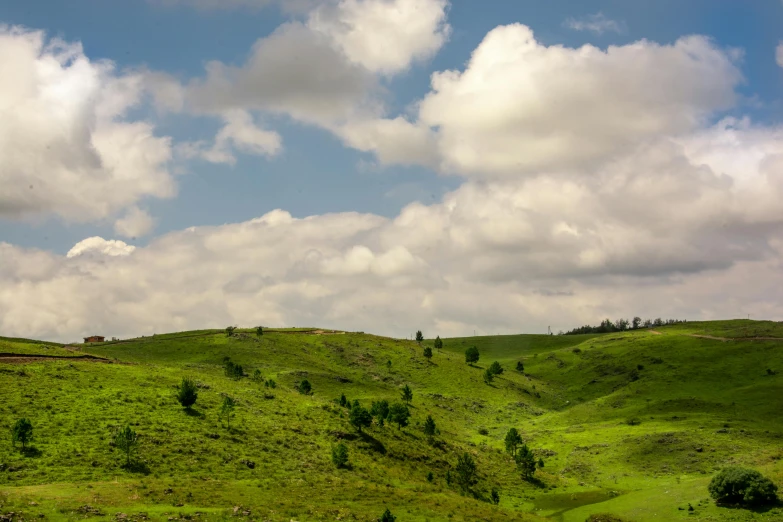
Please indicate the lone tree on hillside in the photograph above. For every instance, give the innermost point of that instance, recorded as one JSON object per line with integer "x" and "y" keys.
{"x": 407, "y": 394}
{"x": 257, "y": 375}
{"x": 387, "y": 517}
{"x": 419, "y": 336}
{"x": 466, "y": 471}
{"x": 304, "y": 387}
{"x": 734, "y": 485}
{"x": 438, "y": 343}
{"x": 360, "y": 417}
{"x": 488, "y": 376}
{"x": 428, "y": 353}
{"x": 230, "y": 330}
{"x": 495, "y": 496}
{"x": 429, "y": 427}
{"x": 126, "y": 441}
{"x": 227, "y": 410}
{"x": 340, "y": 455}
{"x": 471, "y": 355}
{"x": 495, "y": 368}
{"x": 520, "y": 366}
{"x": 22, "y": 431}
{"x": 187, "y": 393}
{"x": 259, "y": 331}
{"x": 513, "y": 440}
{"x": 526, "y": 462}
{"x": 399, "y": 414}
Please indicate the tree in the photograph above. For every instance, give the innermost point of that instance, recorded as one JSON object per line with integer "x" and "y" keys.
{"x": 513, "y": 440}
{"x": 430, "y": 476}
{"x": 22, "y": 431}
{"x": 658, "y": 322}
{"x": 495, "y": 368}
{"x": 429, "y": 426}
{"x": 647, "y": 323}
{"x": 304, "y": 387}
{"x": 343, "y": 401}
{"x": 407, "y": 394}
{"x": 495, "y": 496}
{"x": 520, "y": 366}
{"x": 257, "y": 375}
{"x": 428, "y": 352}
{"x": 636, "y": 322}
{"x": 621, "y": 324}
{"x": 360, "y": 417}
{"x": 540, "y": 463}
{"x": 734, "y": 485}
{"x": 187, "y": 393}
{"x": 232, "y": 370}
{"x": 419, "y": 336}
{"x": 438, "y": 343}
{"x": 466, "y": 471}
{"x": 471, "y": 355}
{"x": 399, "y": 414}
{"x": 526, "y": 461}
{"x": 488, "y": 376}
{"x": 380, "y": 410}
{"x": 230, "y": 330}
{"x": 340, "y": 455}
{"x": 259, "y": 331}
{"x": 388, "y": 365}
{"x": 448, "y": 477}
{"x": 126, "y": 441}
{"x": 387, "y": 517}
{"x": 227, "y": 410}
{"x": 270, "y": 383}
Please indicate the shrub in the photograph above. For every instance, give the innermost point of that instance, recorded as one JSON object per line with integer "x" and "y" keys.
{"x": 495, "y": 496}
{"x": 438, "y": 343}
{"x": 380, "y": 410}
{"x": 419, "y": 336}
{"x": 343, "y": 401}
{"x": 520, "y": 366}
{"x": 187, "y": 394}
{"x": 428, "y": 352}
{"x": 304, "y": 387}
{"x": 430, "y": 477}
{"x": 22, "y": 431}
{"x": 126, "y": 441}
{"x": 270, "y": 384}
{"x": 340, "y": 455}
{"x": 230, "y": 330}
{"x": 471, "y": 355}
{"x": 387, "y": 517}
{"x": 232, "y": 370}
{"x": 257, "y": 376}
{"x": 259, "y": 331}
{"x": 488, "y": 376}
{"x": 734, "y": 485}
{"x": 483, "y": 431}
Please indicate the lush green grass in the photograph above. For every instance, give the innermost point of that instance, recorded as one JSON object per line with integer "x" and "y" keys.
{"x": 639, "y": 443}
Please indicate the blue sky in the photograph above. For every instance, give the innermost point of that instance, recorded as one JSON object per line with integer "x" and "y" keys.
{"x": 317, "y": 174}
{"x": 458, "y": 172}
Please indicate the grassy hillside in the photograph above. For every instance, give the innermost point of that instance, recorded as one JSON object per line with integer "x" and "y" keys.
{"x": 630, "y": 423}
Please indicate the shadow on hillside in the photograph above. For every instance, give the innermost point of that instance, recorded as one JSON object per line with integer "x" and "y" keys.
{"x": 754, "y": 509}
{"x": 31, "y": 452}
{"x": 536, "y": 482}
{"x": 373, "y": 443}
{"x": 190, "y": 412}
{"x": 136, "y": 467}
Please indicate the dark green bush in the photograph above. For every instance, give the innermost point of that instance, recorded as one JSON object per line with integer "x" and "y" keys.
{"x": 735, "y": 485}
{"x": 340, "y": 455}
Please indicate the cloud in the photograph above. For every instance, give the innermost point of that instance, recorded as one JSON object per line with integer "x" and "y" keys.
{"x": 520, "y": 107}
{"x": 596, "y": 23}
{"x": 135, "y": 223}
{"x": 693, "y": 235}
{"x": 239, "y": 133}
{"x": 100, "y": 246}
{"x": 384, "y": 35}
{"x": 287, "y": 6}
{"x": 67, "y": 147}
{"x": 779, "y": 54}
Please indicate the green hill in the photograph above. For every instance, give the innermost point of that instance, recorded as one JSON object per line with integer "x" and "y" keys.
{"x": 631, "y": 423}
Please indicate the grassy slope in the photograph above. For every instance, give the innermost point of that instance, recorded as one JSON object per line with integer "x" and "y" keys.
{"x": 574, "y": 401}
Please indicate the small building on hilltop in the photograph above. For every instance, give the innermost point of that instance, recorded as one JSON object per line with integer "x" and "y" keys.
{"x": 94, "y": 339}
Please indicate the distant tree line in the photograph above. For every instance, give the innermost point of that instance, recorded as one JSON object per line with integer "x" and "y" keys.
{"x": 621, "y": 325}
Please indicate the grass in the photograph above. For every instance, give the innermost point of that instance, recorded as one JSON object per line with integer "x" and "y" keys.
{"x": 630, "y": 423}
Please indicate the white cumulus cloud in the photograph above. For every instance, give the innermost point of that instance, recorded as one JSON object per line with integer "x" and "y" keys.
{"x": 596, "y": 23}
